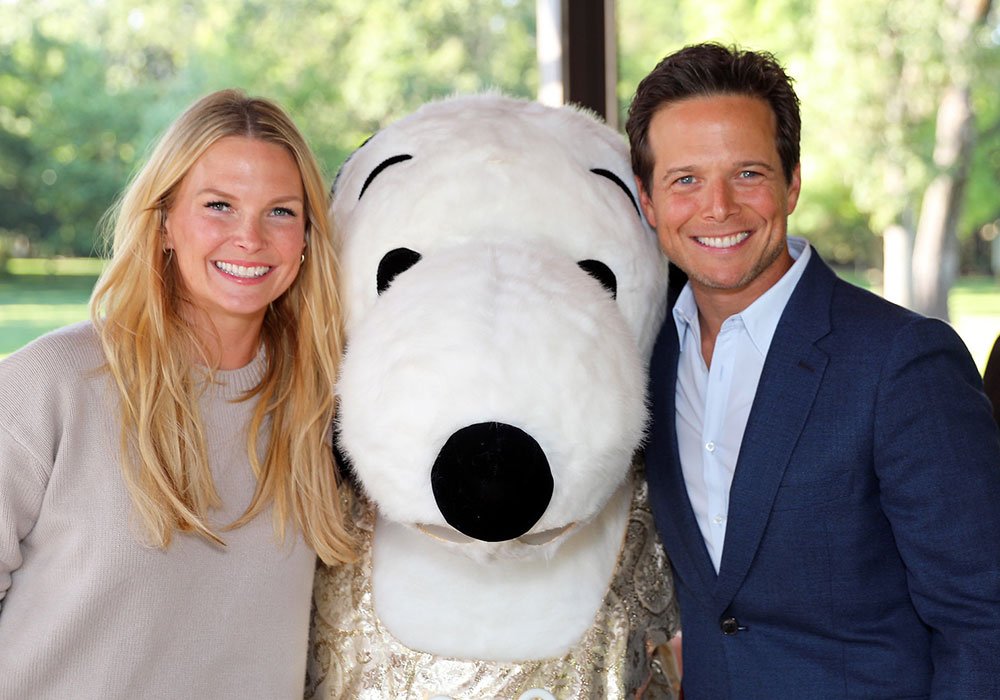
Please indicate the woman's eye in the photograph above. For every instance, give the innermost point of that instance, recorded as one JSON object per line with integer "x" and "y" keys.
{"x": 283, "y": 211}
{"x": 218, "y": 206}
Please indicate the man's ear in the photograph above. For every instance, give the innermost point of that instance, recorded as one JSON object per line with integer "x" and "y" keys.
{"x": 794, "y": 187}
{"x": 645, "y": 202}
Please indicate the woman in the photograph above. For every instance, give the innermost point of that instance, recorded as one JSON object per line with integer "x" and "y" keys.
{"x": 166, "y": 478}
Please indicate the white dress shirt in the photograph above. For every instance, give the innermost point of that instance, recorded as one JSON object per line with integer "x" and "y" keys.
{"x": 713, "y": 404}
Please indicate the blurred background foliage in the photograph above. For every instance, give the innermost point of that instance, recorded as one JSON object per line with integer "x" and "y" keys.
{"x": 86, "y": 85}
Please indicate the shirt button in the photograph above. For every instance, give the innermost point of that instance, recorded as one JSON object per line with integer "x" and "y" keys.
{"x": 719, "y": 519}
{"x": 710, "y": 446}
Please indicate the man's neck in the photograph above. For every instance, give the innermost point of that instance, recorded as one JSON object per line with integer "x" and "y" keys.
{"x": 716, "y": 305}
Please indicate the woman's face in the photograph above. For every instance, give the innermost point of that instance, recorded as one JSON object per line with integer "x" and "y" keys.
{"x": 237, "y": 231}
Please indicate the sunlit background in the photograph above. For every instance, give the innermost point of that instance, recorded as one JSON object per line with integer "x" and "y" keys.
{"x": 900, "y": 101}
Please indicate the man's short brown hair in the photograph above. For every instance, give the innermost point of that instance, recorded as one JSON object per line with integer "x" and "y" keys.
{"x": 703, "y": 70}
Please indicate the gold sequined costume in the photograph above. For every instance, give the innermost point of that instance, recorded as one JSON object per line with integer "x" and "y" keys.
{"x": 623, "y": 655}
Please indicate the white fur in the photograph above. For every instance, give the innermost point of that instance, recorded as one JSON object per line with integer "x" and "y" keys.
{"x": 496, "y": 322}
{"x": 505, "y": 611}
{"x": 469, "y": 338}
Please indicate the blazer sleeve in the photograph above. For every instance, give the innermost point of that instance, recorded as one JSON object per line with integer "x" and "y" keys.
{"x": 937, "y": 458}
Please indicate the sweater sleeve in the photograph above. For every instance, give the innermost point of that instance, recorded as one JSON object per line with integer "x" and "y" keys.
{"x": 42, "y": 385}
{"x": 22, "y": 487}
{"x": 27, "y": 420}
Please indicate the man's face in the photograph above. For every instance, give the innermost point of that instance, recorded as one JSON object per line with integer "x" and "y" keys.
{"x": 718, "y": 197}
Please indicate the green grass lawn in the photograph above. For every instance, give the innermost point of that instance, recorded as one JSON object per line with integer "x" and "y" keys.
{"x": 40, "y": 295}
{"x": 974, "y": 305}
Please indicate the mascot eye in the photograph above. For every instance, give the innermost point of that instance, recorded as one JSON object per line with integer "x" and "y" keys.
{"x": 602, "y": 273}
{"x": 393, "y": 263}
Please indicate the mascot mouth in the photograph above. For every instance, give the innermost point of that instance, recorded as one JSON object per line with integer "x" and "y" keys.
{"x": 533, "y": 539}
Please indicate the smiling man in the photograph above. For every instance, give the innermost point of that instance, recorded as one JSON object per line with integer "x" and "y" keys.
{"x": 823, "y": 465}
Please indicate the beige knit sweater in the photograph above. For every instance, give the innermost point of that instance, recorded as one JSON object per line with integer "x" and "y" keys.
{"x": 88, "y": 611}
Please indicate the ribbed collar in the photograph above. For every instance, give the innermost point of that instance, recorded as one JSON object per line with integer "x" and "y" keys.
{"x": 234, "y": 383}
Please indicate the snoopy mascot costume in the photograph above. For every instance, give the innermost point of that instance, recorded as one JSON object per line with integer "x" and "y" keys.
{"x": 502, "y": 294}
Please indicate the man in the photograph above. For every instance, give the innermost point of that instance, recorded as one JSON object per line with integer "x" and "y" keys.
{"x": 823, "y": 465}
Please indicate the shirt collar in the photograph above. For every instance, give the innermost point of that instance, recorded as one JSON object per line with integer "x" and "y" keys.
{"x": 760, "y": 318}
{"x": 685, "y": 315}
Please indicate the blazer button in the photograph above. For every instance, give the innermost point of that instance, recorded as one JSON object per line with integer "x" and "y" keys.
{"x": 729, "y": 625}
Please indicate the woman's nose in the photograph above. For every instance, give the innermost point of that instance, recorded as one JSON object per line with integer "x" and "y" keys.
{"x": 249, "y": 236}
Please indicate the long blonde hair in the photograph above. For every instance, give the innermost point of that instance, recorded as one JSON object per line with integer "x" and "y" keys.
{"x": 149, "y": 345}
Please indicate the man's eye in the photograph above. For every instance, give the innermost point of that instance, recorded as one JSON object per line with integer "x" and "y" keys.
{"x": 685, "y": 180}
{"x": 748, "y": 174}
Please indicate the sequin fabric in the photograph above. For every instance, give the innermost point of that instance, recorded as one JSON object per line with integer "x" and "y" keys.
{"x": 623, "y": 655}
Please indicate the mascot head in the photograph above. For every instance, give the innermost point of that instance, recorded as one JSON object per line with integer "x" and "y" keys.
{"x": 502, "y": 295}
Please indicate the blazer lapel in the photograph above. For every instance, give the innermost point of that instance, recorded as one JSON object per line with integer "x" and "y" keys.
{"x": 679, "y": 528}
{"x": 789, "y": 381}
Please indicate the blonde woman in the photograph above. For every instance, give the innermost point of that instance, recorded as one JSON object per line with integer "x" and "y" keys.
{"x": 166, "y": 479}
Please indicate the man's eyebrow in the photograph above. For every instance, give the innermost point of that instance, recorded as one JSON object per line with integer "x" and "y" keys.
{"x": 677, "y": 170}
{"x": 743, "y": 164}
{"x": 762, "y": 165}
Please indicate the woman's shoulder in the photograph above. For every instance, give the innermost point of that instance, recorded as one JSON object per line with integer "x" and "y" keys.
{"x": 50, "y": 383}
{"x": 58, "y": 354}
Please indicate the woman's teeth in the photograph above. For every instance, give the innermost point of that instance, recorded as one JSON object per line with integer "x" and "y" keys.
{"x": 243, "y": 270}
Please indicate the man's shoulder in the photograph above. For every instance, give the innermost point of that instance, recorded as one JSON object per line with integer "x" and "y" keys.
{"x": 858, "y": 326}
{"x": 852, "y": 306}
{"x": 851, "y": 300}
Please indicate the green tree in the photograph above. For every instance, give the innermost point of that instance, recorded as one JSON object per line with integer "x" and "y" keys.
{"x": 901, "y": 142}
{"x": 86, "y": 86}
{"x": 649, "y": 30}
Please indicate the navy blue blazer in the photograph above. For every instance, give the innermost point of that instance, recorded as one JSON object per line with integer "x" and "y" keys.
{"x": 862, "y": 552}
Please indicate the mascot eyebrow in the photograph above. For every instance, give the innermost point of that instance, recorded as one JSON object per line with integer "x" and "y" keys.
{"x": 615, "y": 179}
{"x": 382, "y": 166}
{"x": 405, "y": 156}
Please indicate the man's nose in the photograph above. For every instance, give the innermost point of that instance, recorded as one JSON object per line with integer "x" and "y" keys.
{"x": 721, "y": 203}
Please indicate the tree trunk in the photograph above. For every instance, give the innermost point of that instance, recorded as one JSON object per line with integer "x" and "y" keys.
{"x": 897, "y": 272}
{"x": 935, "y": 258}
{"x": 934, "y": 263}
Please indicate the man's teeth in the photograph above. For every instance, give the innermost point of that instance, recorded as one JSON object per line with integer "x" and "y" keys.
{"x": 724, "y": 241}
{"x": 243, "y": 270}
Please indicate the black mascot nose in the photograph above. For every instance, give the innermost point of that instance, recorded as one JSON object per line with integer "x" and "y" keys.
{"x": 491, "y": 481}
